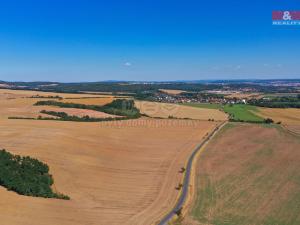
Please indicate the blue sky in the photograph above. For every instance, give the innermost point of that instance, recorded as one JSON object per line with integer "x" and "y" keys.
{"x": 87, "y": 40}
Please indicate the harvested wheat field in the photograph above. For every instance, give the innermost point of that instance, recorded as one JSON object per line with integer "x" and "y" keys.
{"x": 114, "y": 174}
{"x": 286, "y": 116}
{"x": 80, "y": 112}
{"x": 19, "y": 107}
{"x": 248, "y": 175}
{"x": 90, "y": 100}
{"x": 122, "y": 172}
{"x": 164, "y": 110}
{"x": 24, "y": 107}
{"x": 172, "y": 92}
{"x": 240, "y": 95}
{"x": 290, "y": 117}
{"x": 7, "y": 93}
{"x": 82, "y": 98}
{"x": 18, "y": 103}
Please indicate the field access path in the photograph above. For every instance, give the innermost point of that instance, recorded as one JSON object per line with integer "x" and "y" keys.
{"x": 186, "y": 181}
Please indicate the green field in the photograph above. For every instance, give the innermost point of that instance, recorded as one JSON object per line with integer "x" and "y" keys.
{"x": 204, "y": 105}
{"x": 241, "y": 112}
{"x": 243, "y": 178}
{"x": 238, "y": 112}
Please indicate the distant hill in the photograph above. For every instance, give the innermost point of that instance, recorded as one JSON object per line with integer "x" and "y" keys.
{"x": 267, "y": 86}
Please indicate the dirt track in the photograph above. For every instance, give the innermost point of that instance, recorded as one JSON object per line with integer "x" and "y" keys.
{"x": 185, "y": 191}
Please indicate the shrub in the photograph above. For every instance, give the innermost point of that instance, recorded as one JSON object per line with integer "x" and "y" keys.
{"x": 268, "y": 120}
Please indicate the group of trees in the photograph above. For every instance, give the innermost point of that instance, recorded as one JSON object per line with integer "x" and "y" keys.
{"x": 120, "y": 107}
{"x": 48, "y": 96}
{"x": 267, "y": 120}
{"x": 278, "y": 102}
{"x": 66, "y": 117}
{"x": 26, "y": 176}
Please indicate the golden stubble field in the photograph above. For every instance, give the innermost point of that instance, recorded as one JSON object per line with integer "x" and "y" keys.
{"x": 248, "y": 174}
{"x": 90, "y": 100}
{"x": 121, "y": 172}
{"x": 165, "y": 110}
{"x": 11, "y": 94}
{"x": 244, "y": 95}
{"x": 172, "y": 92}
{"x": 289, "y": 117}
{"x": 19, "y": 104}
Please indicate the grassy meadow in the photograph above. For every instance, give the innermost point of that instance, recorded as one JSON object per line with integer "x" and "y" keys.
{"x": 243, "y": 112}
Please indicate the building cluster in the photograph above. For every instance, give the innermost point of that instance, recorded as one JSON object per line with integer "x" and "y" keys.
{"x": 196, "y": 98}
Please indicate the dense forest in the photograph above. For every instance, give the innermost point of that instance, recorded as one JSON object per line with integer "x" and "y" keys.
{"x": 120, "y": 107}
{"x": 26, "y": 176}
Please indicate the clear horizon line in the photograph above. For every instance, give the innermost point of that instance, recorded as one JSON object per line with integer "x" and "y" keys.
{"x": 156, "y": 81}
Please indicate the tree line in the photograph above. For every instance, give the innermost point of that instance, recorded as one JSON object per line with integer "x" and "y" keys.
{"x": 120, "y": 107}
{"x": 267, "y": 121}
{"x": 66, "y": 117}
{"x": 48, "y": 96}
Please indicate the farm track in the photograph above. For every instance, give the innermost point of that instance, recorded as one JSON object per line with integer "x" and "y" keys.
{"x": 186, "y": 181}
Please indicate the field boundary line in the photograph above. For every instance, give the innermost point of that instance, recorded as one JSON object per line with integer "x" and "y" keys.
{"x": 192, "y": 185}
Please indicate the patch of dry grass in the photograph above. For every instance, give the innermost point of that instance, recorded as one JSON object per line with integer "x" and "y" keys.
{"x": 290, "y": 116}
{"x": 165, "y": 110}
{"x": 249, "y": 174}
{"x": 172, "y": 92}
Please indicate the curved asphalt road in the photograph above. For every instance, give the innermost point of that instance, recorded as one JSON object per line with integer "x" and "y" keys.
{"x": 186, "y": 181}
